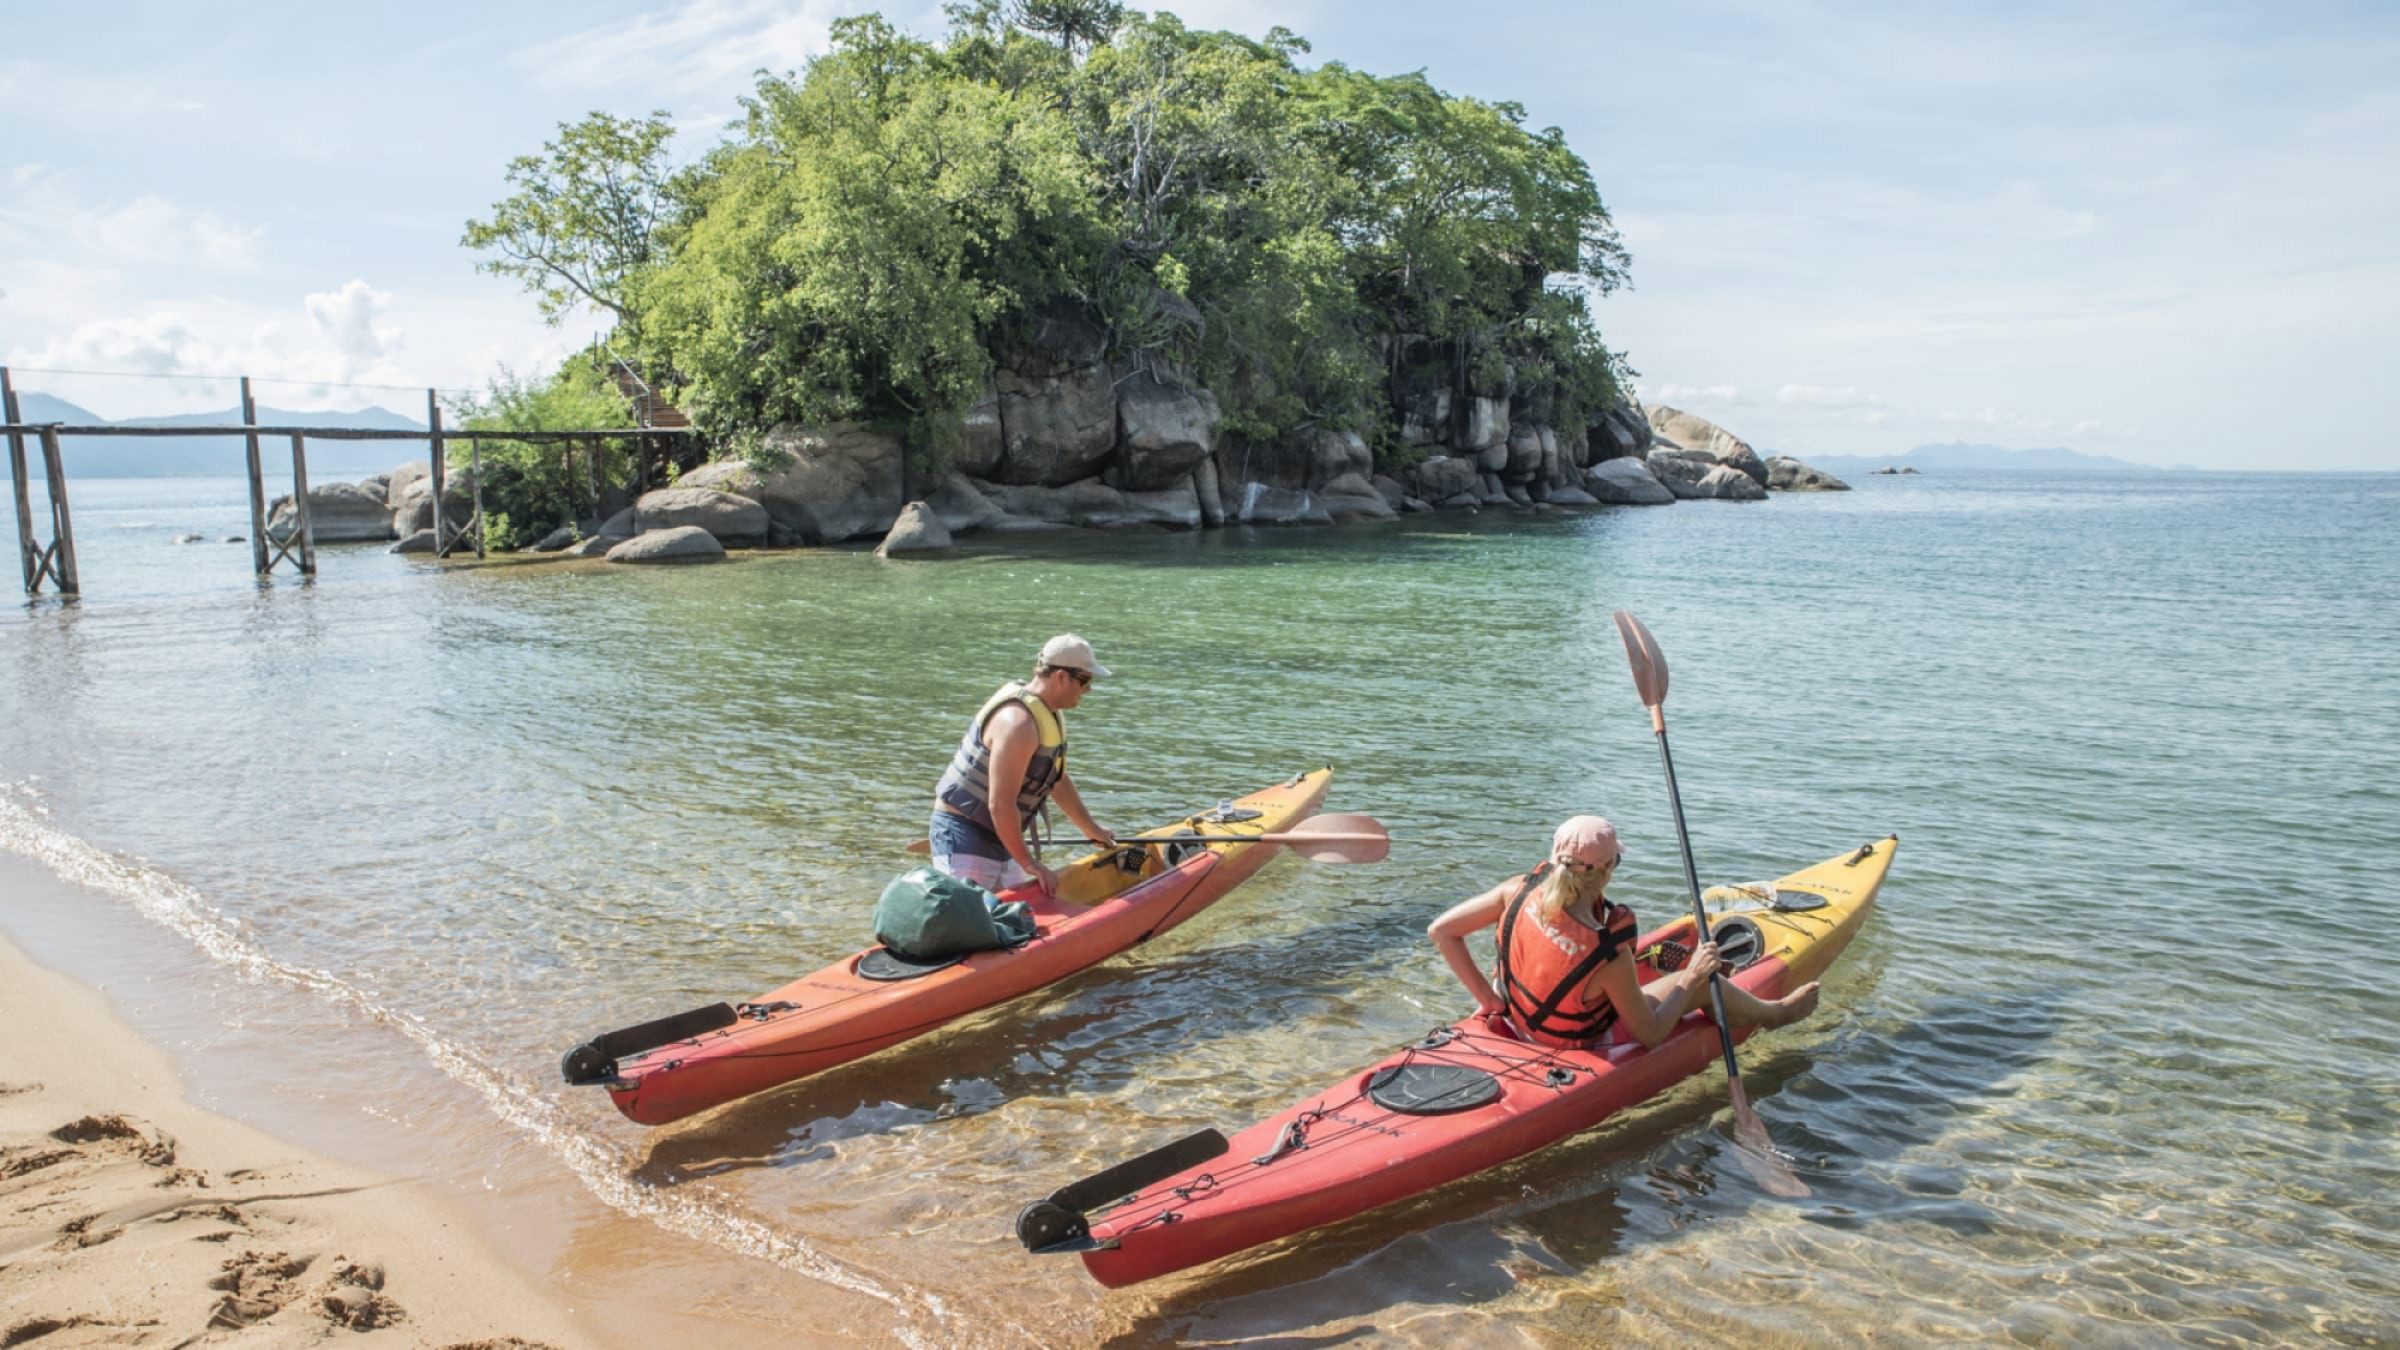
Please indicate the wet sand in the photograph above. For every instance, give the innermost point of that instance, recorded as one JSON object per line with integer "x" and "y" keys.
{"x": 130, "y": 1217}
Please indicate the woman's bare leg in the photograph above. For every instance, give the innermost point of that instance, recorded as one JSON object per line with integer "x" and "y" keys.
{"x": 1745, "y": 1009}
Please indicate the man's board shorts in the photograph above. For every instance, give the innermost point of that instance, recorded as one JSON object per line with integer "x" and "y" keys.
{"x": 970, "y": 852}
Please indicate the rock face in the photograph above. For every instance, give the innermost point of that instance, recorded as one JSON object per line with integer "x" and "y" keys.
{"x": 918, "y": 530}
{"x": 684, "y": 543}
{"x": 338, "y": 513}
{"x": 1166, "y": 432}
{"x": 737, "y": 522}
{"x": 1786, "y": 474}
{"x": 1442, "y": 478}
{"x": 420, "y": 542}
{"x": 1693, "y": 432}
{"x": 557, "y": 539}
{"x": 841, "y": 482}
{"x": 1624, "y": 430}
{"x": 1626, "y": 482}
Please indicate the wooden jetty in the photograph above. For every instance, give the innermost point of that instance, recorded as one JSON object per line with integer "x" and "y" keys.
{"x": 52, "y": 562}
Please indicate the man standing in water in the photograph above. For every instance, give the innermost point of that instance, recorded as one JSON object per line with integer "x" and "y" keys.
{"x": 1013, "y": 761}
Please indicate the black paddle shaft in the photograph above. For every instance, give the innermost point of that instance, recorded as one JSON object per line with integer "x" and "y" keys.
{"x": 1691, "y": 878}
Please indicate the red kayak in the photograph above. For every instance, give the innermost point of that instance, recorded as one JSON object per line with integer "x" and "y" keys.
{"x": 1109, "y": 901}
{"x": 1465, "y": 1098}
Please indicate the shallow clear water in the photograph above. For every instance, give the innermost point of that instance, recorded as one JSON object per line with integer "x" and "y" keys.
{"x": 2115, "y": 1061}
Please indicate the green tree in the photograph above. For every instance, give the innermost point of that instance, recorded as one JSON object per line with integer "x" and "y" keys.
{"x": 584, "y": 220}
{"x": 533, "y": 487}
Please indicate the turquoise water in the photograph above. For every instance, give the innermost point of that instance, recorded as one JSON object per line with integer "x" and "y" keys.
{"x": 2114, "y": 1062}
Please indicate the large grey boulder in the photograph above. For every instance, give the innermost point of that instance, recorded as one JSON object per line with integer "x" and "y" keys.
{"x": 737, "y": 522}
{"x": 1524, "y": 460}
{"x": 1786, "y": 474}
{"x": 1165, "y": 431}
{"x": 397, "y": 483}
{"x": 1681, "y": 470}
{"x": 412, "y": 508}
{"x": 595, "y": 547}
{"x": 560, "y": 538}
{"x": 1726, "y": 483}
{"x": 681, "y": 544}
{"x": 789, "y": 519}
{"x": 338, "y": 513}
{"x": 1394, "y": 494}
{"x": 1335, "y": 454}
{"x": 918, "y": 530}
{"x": 1442, "y": 477}
{"x": 1056, "y": 428}
{"x": 1625, "y": 482}
{"x": 834, "y": 483}
{"x": 1353, "y": 497}
{"x": 420, "y": 542}
{"x": 1567, "y": 494}
{"x": 1694, "y": 432}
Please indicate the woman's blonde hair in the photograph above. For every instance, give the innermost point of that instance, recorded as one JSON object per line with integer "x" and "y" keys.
{"x": 1565, "y": 888}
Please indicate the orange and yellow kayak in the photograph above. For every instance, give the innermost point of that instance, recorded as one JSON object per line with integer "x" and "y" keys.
{"x": 1107, "y": 901}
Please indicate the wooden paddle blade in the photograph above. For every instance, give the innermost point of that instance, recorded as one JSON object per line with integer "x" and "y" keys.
{"x": 1757, "y": 1153}
{"x": 1350, "y": 837}
{"x": 1648, "y": 662}
{"x": 923, "y": 848}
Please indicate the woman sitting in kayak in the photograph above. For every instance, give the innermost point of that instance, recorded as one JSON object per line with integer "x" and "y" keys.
{"x": 1566, "y": 955}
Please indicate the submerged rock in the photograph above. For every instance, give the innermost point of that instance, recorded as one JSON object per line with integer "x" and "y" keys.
{"x": 338, "y": 513}
{"x": 1786, "y": 474}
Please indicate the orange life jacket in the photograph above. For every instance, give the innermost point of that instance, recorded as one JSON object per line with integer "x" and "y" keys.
{"x": 1543, "y": 968}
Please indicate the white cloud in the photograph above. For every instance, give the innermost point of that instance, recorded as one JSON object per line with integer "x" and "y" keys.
{"x": 344, "y": 341}
{"x": 693, "y": 47}
{"x": 345, "y": 322}
{"x": 1820, "y": 396}
{"x": 1694, "y": 393}
{"x": 152, "y": 229}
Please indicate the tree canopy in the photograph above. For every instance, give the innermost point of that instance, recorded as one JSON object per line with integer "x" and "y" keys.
{"x": 880, "y": 221}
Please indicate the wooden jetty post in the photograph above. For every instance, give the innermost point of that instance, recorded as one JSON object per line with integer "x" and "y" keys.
{"x": 433, "y": 441}
{"x": 307, "y": 533}
{"x": 258, "y": 487}
{"x": 475, "y": 461}
{"x": 61, "y": 553}
{"x": 26, "y": 555}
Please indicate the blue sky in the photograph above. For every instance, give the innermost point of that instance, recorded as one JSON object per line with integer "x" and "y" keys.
{"x": 2165, "y": 232}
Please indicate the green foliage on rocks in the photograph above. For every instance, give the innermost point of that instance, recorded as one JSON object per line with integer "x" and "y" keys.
{"x": 533, "y": 487}
{"x": 883, "y": 222}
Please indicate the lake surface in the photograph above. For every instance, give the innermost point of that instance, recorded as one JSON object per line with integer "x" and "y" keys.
{"x": 2116, "y": 1061}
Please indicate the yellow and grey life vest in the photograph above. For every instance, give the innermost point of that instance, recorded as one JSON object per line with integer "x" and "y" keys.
{"x": 966, "y": 784}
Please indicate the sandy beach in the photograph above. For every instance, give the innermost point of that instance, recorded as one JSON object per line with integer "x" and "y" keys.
{"x": 130, "y": 1217}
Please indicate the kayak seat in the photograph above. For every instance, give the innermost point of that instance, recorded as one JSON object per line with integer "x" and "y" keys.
{"x": 882, "y": 963}
{"x": 1432, "y": 1089}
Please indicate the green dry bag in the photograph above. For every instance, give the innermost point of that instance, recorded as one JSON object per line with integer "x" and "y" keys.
{"x": 926, "y": 914}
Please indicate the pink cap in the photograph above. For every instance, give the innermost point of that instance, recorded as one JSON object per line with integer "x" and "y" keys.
{"x": 1586, "y": 839}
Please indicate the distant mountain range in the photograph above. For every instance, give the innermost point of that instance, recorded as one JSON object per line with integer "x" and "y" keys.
{"x": 202, "y": 456}
{"x": 1961, "y": 457}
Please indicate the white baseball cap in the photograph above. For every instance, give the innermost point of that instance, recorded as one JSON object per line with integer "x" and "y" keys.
{"x": 1073, "y": 653}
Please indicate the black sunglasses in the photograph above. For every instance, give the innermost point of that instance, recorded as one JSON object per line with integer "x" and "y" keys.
{"x": 1081, "y": 677}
